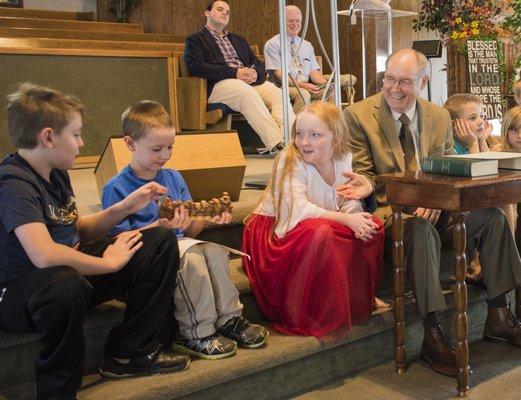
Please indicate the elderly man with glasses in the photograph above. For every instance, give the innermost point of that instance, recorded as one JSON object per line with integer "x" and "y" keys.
{"x": 306, "y": 82}
{"x": 390, "y": 132}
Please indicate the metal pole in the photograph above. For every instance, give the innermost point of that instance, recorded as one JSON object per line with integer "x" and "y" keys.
{"x": 364, "y": 66}
{"x": 285, "y": 88}
{"x": 336, "y": 52}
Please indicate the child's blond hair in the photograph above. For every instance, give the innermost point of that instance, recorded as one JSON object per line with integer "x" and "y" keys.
{"x": 511, "y": 120}
{"x": 33, "y": 108}
{"x": 142, "y": 116}
{"x": 330, "y": 114}
{"x": 516, "y": 88}
{"x": 455, "y": 103}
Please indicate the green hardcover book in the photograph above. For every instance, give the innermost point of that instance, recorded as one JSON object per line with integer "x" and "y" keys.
{"x": 459, "y": 166}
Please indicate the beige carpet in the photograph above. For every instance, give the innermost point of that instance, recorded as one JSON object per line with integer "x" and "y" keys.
{"x": 496, "y": 376}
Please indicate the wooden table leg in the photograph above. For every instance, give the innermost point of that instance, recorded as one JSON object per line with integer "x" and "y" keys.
{"x": 518, "y": 302}
{"x": 398, "y": 283}
{"x": 460, "y": 298}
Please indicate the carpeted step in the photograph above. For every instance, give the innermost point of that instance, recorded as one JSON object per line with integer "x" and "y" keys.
{"x": 288, "y": 365}
{"x": 17, "y": 351}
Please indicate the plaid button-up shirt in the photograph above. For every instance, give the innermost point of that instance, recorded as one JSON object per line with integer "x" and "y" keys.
{"x": 230, "y": 55}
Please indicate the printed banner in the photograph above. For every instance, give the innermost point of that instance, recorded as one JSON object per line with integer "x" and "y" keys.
{"x": 484, "y": 75}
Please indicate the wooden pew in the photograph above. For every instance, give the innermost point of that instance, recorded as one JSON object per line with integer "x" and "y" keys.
{"x": 30, "y": 13}
{"x": 104, "y": 80}
{"x": 46, "y": 43}
{"x": 14, "y": 22}
{"x": 89, "y": 35}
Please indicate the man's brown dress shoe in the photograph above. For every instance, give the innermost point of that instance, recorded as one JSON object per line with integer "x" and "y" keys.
{"x": 437, "y": 350}
{"x": 502, "y": 326}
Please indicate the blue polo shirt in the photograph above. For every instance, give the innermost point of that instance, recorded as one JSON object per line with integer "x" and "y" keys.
{"x": 126, "y": 182}
{"x": 273, "y": 55}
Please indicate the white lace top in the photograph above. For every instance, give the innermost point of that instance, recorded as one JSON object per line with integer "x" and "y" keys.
{"x": 312, "y": 196}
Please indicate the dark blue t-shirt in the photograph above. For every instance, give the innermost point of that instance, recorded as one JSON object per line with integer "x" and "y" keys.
{"x": 26, "y": 197}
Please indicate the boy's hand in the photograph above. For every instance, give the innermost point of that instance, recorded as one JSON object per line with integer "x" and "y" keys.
{"x": 180, "y": 219}
{"x": 141, "y": 197}
{"x": 122, "y": 250}
{"x": 463, "y": 133}
{"x": 362, "y": 225}
{"x": 224, "y": 218}
{"x": 358, "y": 187}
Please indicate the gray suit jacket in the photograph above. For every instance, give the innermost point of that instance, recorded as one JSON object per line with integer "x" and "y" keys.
{"x": 376, "y": 146}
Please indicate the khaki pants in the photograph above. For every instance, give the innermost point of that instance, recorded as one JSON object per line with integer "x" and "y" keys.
{"x": 205, "y": 297}
{"x": 305, "y": 97}
{"x": 261, "y": 105}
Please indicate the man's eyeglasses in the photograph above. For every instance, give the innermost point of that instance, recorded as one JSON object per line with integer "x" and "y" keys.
{"x": 390, "y": 81}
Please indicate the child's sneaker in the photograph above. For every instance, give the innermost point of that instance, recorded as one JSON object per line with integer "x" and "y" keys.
{"x": 212, "y": 347}
{"x": 244, "y": 332}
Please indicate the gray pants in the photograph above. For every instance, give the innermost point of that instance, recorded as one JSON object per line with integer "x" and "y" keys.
{"x": 487, "y": 231}
{"x": 205, "y": 297}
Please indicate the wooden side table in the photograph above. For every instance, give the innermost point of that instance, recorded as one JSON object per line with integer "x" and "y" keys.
{"x": 458, "y": 196}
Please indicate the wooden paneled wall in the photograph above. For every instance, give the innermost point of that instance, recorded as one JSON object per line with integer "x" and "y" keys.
{"x": 257, "y": 21}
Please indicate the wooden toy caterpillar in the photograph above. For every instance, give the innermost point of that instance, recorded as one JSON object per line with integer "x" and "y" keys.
{"x": 196, "y": 209}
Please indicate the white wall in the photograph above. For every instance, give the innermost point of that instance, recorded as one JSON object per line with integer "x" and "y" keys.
{"x": 437, "y": 79}
{"x": 62, "y": 5}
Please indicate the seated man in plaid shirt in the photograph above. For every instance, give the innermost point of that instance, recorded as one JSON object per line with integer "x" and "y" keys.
{"x": 235, "y": 76}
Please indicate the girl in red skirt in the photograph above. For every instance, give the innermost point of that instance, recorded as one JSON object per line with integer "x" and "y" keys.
{"x": 316, "y": 256}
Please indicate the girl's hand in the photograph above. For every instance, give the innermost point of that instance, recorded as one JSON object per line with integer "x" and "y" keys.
{"x": 180, "y": 219}
{"x": 362, "y": 225}
{"x": 122, "y": 250}
{"x": 358, "y": 187}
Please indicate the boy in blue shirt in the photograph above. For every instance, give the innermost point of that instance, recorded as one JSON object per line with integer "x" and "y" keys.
{"x": 470, "y": 129}
{"x": 471, "y": 132}
{"x": 55, "y": 265}
{"x": 207, "y": 304}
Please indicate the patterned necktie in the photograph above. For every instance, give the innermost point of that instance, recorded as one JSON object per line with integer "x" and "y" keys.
{"x": 407, "y": 142}
{"x": 297, "y": 64}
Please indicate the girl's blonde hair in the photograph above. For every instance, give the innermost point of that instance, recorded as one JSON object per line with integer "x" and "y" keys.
{"x": 511, "y": 120}
{"x": 331, "y": 115}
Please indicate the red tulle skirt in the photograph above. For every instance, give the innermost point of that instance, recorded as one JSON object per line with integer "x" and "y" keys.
{"x": 317, "y": 279}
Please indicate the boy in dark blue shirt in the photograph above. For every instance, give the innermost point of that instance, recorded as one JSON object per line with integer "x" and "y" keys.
{"x": 55, "y": 265}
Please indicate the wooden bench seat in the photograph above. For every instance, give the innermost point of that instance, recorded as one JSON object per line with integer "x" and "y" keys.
{"x": 48, "y": 43}
{"x": 9, "y": 32}
{"x": 15, "y": 22}
{"x": 30, "y": 13}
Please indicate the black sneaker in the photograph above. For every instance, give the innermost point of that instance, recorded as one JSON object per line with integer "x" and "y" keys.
{"x": 158, "y": 362}
{"x": 244, "y": 333}
{"x": 213, "y": 347}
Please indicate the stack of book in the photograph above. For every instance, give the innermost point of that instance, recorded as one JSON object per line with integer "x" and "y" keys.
{"x": 472, "y": 165}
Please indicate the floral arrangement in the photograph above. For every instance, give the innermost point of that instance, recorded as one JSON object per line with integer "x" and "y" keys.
{"x": 456, "y": 21}
{"x": 513, "y": 21}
